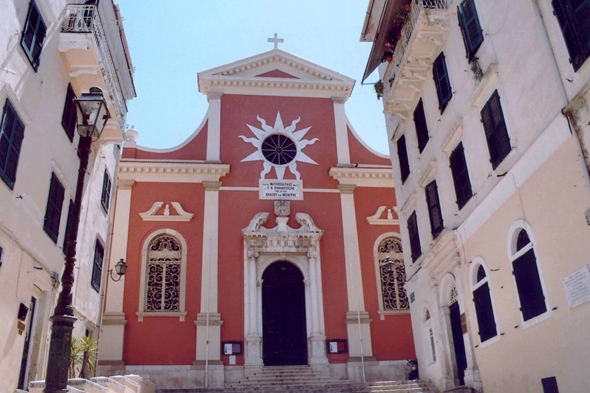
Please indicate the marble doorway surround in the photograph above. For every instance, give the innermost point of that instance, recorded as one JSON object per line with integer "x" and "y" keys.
{"x": 300, "y": 246}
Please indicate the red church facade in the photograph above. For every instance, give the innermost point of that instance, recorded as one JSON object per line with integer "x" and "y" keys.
{"x": 260, "y": 241}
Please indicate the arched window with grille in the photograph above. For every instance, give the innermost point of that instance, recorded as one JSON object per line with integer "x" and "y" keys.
{"x": 527, "y": 274}
{"x": 391, "y": 275}
{"x": 482, "y": 299}
{"x": 163, "y": 275}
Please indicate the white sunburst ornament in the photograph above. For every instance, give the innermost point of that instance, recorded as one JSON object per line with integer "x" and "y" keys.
{"x": 279, "y": 147}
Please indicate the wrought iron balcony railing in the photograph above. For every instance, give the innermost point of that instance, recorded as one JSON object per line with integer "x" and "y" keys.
{"x": 86, "y": 19}
{"x": 418, "y": 8}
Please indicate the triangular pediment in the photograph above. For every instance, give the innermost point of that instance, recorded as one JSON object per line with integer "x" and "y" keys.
{"x": 275, "y": 72}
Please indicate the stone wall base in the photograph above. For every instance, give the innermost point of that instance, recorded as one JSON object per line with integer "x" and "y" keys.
{"x": 193, "y": 376}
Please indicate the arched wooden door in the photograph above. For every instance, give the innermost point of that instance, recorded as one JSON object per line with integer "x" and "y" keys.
{"x": 284, "y": 335}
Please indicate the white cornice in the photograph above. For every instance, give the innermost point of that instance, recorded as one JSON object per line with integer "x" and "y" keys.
{"x": 309, "y": 79}
{"x": 364, "y": 177}
{"x": 453, "y": 137}
{"x": 171, "y": 171}
{"x": 429, "y": 174}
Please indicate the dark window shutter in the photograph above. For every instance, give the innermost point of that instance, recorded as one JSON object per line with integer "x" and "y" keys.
{"x": 68, "y": 226}
{"x": 529, "y": 286}
{"x": 581, "y": 10}
{"x": 484, "y": 312}
{"x": 496, "y": 130}
{"x": 573, "y": 17}
{"x": 106, "y": 191}
{"x": 33, "y": 35}
{"x": 441, "y": 80}
{"x": 414, "y": 237}
{"x": 54, "y": 206}
{"x": 402, "y": 154}
{"x": 470, "y": 27}
{"x": 421, "y": 126}
{"x": 550, "y": 385}
{"x": 97, "y": 266}
{"x": 461, "y": 181}
{"x": 434, "y": 211}
{"x": 11, "y": 138}
{"x": 69, "y": 116}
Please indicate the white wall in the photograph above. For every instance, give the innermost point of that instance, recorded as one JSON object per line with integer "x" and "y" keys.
{"x": 32, "y": 261}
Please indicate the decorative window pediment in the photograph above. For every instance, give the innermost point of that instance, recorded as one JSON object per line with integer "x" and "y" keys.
{"x": 151, "y": 215}
{"x": 383, "y": 216}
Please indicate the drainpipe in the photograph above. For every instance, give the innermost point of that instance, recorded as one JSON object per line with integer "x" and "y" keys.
{"x": 207, "y": 328}
{"x": 566, "y": 111}
{"x": 109, "y": 239}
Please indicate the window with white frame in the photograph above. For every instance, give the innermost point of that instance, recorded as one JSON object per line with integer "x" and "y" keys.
{"x": 164, "y": 263}
{"x": 526, "y": 272}
{"x": 482, "y": 299}
{"x": 392, "y": 275}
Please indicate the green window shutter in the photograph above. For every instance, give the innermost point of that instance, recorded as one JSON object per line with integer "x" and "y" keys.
{"x": 528, "y": 283}
{"x": 54, "y": 207}
{"x": 441, "y": 80}
{"x": 12, "y": 133}
{"x": 434, "y": 211}
{"x": 484, "y": 312}
{"x": 421, "y": 125}
{"x": 33, "y": 35}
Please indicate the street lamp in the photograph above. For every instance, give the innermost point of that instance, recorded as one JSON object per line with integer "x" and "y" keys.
{"x": 120, "y": 269}
{"x": 388, "y": 265}
{"x": 92, "y": 117}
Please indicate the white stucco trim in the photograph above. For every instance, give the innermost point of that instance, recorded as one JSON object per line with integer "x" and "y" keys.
{"x": 171, "y": 172}
{"x": 513, "y": 255}
{"x": 177, "y": 147}
{"x": 342, "y": 147}
{"x": 363, "y": 177}
{"x": 475, "y": 264}
{"x": 141, "y": 313}
{"x": 362, "y": 142}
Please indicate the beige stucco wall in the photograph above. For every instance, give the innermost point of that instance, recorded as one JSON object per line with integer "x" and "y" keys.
{"x": 552, "y": 201}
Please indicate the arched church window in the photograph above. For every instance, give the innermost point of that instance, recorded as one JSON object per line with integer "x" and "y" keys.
{"x": 452, "y": 294}
{"x": 522, "y": 240}
{"x": 279, "y": 149}
{"x": 164, "y": 259}
{"x": 525, "y": 270}
{"x": 482, "y": 299}
{"x": 393, "y": 275}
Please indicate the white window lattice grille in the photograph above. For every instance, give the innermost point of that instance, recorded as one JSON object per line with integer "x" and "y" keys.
{"x": 163, "y": 274}
{"x": 392, "y": 283}
{"x": 452, "y": 294}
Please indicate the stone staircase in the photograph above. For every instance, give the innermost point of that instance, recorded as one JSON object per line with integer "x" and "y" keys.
{"x": 303, "y": 379}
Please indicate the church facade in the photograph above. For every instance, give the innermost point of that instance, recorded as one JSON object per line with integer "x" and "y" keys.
{"x": 269, "y": 238}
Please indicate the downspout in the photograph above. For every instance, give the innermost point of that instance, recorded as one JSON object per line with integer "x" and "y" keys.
{"x": 207, "y": 327}
{"x": 576, "y": 132}
{"x": 109, "y": 239}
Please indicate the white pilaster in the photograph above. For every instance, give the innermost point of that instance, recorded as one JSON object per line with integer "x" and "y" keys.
{"x": 113, "y": 324}
{"x": 214, "y": 126}
{"x": 209, "y": 320}
{"x": 253, "y": 337}
{"x": 341, "y": 131}
{"x": 357, "y": 319}
{"x": 318, "y": 339}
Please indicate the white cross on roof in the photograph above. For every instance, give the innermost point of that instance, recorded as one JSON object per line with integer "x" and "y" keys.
{"x": 276, "y": 40}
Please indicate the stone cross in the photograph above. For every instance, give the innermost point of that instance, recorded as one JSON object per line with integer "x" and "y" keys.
{"x": 276, "y": 40}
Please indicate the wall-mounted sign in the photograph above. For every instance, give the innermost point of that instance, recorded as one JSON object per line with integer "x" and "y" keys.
{"x": 284, "y": 190}
{"x": 577, "y": 287}
{"x": 229, "y": 348}
{"x": 337, "y": 346}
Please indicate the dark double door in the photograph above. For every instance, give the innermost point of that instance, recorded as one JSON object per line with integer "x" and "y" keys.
{"x": 284, "y": 333}
{"x": 458, "y": 342}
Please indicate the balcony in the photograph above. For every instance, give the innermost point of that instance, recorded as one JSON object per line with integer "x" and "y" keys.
{"x": 99, "y": 57}
{"x": 421, "y": 39}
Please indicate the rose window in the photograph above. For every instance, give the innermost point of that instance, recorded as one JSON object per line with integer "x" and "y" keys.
{"x": 279, "y": 149}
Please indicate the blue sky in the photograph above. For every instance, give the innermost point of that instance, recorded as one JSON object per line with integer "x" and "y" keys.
{"x": 171, "y": 41}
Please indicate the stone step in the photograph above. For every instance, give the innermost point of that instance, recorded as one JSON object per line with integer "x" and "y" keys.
{"x": 289, "y": 383}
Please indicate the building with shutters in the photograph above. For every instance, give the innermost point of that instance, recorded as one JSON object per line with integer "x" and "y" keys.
{"x": 268, "y": 238}
{"x": 51, "y": 52}
{"x": 487, "y": 106}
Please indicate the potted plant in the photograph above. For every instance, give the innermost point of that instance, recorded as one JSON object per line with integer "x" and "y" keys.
{"x": 379, "y": 89}
{"x": 387, "y": 57}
